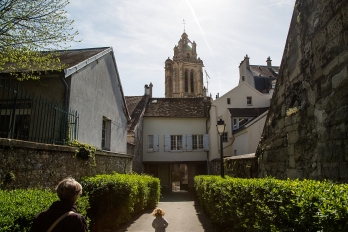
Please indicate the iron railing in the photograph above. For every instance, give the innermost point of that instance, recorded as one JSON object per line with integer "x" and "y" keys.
{"x": 24, "y": 116}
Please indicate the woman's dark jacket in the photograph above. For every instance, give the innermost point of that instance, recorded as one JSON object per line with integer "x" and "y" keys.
{"x": 73, "y": 222}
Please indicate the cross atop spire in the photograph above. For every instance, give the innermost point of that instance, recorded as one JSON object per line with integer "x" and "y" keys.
{"x": 184, "y": 24}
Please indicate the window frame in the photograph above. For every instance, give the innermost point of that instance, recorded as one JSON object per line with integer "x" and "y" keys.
{"x": 150, "y": 143}
{"x": 228, "y": 101}
{"x": 176, "y": 143}
{"x": 249, "y": 101}
{"x": 225, "y": 137}
{"x": 106, "y": 129}
{"x": 197, "y": 143}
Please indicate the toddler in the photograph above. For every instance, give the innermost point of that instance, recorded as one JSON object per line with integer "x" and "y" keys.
{"x": 159, "y": 223}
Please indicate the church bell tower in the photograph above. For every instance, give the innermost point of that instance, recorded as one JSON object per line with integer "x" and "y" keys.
{"x": 184, "y": 73}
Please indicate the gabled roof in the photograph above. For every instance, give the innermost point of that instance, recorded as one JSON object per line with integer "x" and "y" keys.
{"x": 247, "y": 112}
{"x": 241, "y": 85}
{"x": 76, "y": 59}
{"x": 135, "y": 105}
{"x": 178, "y": 107}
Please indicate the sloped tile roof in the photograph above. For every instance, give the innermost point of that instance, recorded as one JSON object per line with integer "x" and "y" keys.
{"x": 247, "y": 112}
{"x": 135, "y": 105}
{"x": 71, "y": 57}
{"x": 76, "y": 56}
{"x": 263, "y": 77}
{"x": 264, "y": 71}
{"x": 178, "y": 107}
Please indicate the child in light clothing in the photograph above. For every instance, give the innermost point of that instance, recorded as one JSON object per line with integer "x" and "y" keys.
{"x": 159, "y": 223}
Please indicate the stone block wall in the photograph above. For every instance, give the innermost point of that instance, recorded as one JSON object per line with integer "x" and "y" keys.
{"x": 244, "y": 166}
{"x": 306, "y": 131}
{"x": 43, "y": 165}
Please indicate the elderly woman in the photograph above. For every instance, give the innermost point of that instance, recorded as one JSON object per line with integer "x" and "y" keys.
{"x": 62, "y": 215}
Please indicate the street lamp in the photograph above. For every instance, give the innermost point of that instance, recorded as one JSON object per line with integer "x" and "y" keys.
{"x": 221, "y": 128}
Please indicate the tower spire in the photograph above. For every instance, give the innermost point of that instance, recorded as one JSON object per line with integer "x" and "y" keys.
{"x": 184, "y": 24}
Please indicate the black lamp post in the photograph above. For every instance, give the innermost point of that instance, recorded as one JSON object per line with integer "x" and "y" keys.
{"x": 221, "y": 128}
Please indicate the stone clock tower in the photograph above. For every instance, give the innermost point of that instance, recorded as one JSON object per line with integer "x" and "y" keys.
{"x": 184, "y": 74}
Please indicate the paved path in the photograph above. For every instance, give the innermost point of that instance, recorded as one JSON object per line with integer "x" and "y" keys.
{"x": 182, "y": 213}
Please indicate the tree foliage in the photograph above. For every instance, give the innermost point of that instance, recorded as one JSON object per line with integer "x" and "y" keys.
{"x": 30, "y": 32}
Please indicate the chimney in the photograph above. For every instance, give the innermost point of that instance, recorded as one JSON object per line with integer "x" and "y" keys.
{"x": 151, "y": 89}
{"x": 246, "y": 60}
{"x": 147, "y": 90}
{"x": 269, "y": 62}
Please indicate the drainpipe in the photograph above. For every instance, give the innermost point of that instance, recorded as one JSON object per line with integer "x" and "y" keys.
{"x": 66, "y": 103}
{"x": 66, "y": 94}
{"x": 207, "y": 130}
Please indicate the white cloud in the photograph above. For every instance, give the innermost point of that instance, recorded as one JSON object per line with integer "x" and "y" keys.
{"x": 144, "y": 33}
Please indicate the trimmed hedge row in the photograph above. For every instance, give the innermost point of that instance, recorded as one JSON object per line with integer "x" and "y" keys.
{"x": 268, "y": 204}
{"x": 115, "y": 198}
{"x": 19, "y": 207}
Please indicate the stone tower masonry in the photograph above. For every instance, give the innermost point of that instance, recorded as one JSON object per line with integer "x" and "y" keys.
{"x": 184, "y": 73}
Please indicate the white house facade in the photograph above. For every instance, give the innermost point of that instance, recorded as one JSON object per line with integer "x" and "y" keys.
{"x": 175, "y": 141}
{"x": 241, "y": 98}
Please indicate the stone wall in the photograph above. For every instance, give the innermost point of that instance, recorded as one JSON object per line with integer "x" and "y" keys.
{"x": 242, "y": 166}
{"x": 306, "y": 131}
{"x": 44, "y": 165}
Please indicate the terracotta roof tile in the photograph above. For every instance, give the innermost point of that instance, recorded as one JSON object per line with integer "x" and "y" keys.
{"x": 178, "y": 107}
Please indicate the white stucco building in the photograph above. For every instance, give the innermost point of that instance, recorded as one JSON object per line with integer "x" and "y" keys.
{"x": 90, "y": 85}
{"x": 237, "y": 108}
{"x": 175, "y": 141}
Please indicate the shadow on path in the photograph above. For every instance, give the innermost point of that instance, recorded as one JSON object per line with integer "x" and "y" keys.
{"x": 182, "y": 211}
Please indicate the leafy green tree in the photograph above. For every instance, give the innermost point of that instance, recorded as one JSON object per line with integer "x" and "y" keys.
{"x": 30, "y": 32}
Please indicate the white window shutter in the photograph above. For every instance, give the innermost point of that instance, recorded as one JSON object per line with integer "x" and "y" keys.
{"x": 206, "y": 142}
{"x": 166, "y": 142}
{"x": 184, "y": 144}
{"x": 155, "y": 143}
{"x": 189, "y": 142}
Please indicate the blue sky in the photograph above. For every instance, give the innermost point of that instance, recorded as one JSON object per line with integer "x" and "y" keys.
{"x": 143, "y": 34}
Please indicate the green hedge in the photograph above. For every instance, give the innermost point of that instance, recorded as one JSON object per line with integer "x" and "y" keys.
{"x": 115, "y": 198}
{"x": 273, "y": 205}
{"x": 19, "y": 207}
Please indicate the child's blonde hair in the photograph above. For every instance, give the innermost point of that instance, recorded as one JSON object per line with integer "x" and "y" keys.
{"x": 158, "y": 212}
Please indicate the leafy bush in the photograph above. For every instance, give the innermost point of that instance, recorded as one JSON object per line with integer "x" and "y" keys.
{"x": 273, "y": 205}
{"x": 19, "y": 207}
{"x": 115, "y": 198}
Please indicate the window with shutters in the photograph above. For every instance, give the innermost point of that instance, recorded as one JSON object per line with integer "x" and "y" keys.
{"x": 176, "y": 142}
{"x": 197, "y": 142}
{"x": 150, "y": 142}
